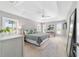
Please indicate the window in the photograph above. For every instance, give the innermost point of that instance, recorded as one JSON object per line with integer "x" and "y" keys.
{"x": 8, "y": 23}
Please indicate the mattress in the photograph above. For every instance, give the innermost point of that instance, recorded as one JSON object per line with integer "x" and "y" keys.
{"x": 37, "y": 39}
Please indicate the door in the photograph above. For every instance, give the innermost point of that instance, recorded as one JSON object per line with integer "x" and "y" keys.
{"x": 71, "y": 43}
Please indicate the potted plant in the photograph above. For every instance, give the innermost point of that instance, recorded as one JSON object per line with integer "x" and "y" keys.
{"x": 1, "y": 32}
{"x": 5, "y": 31}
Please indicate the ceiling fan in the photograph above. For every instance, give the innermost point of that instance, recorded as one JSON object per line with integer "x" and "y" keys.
{"x": 43, "y": 14}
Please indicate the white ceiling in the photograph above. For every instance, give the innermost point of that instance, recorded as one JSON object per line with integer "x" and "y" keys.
{"x": 33, "y": 9}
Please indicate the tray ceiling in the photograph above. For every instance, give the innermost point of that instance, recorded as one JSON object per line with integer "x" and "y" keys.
{"x": 33, "y": 9}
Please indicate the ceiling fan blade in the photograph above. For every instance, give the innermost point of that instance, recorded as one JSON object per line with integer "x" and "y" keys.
{"x": 47, "y": 16}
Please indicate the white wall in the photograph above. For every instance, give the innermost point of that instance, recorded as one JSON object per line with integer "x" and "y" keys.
{"x": 78, "y": 21}
{"x": 78, "y": 27}
{"x": 0, "y": 22}
{"x": 59, "y": 29}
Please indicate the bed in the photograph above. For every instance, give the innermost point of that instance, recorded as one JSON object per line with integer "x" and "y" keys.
{"x": 37, "y": 39}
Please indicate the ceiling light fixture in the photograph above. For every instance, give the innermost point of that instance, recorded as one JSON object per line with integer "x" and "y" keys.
{"x": 43, "y": 14}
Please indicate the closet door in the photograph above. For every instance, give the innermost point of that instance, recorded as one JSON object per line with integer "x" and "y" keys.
{"x": 12, "y": 47}
{"x": 0, "y": 49}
